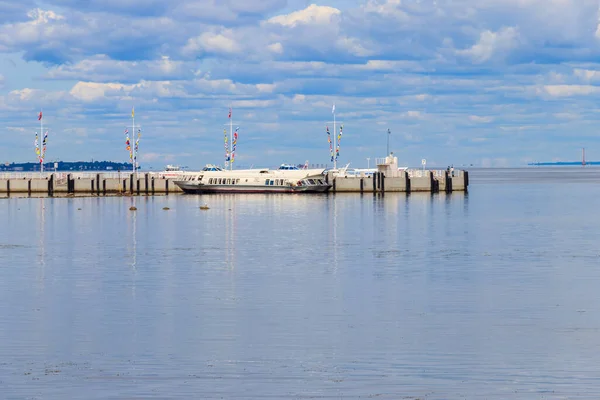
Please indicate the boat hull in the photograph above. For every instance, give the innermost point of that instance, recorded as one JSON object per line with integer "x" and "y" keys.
{"x": 195, "y": 188}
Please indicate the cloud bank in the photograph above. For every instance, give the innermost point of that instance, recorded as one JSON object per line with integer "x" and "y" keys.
{"x": 456, "y": 81}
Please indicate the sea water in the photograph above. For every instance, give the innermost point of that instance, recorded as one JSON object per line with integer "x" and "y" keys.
{"x": 491, "y": 294}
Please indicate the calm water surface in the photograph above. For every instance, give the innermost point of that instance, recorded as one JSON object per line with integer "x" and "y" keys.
{"x": 494, "y": 294}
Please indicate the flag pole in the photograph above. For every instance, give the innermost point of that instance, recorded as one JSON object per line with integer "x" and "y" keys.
{"x": 334, "y": 133}
{"x": 230, "y": 139}
{"x": 388, "y": 142}
{"x": 42, "y": 138}
{"x": 133, "y": 137}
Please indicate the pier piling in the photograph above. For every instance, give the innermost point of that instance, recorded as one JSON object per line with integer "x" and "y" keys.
{"x": 51, "y": 185}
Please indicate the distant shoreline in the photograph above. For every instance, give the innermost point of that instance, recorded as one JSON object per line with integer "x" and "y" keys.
{"x": 565, "y": 163}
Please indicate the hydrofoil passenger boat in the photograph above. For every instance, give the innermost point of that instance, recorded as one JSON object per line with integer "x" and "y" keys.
{"x": 285, "y": 179}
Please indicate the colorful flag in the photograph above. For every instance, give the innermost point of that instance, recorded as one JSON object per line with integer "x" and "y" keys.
{"x": 229, "y": 113}
{"x": 333, "y": 109}
{"x": 132, "y": 112}
{"x": 234, "y": 144}
{"x": 330, "y": 143}
{"x": 40, "y": 116}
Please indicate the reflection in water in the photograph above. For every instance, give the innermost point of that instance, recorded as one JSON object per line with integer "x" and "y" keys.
{"x": 132, "y": 216}
{"x": 230, "y": 231}
{"x": 41, "y": 276}
{"x": 429, "y": 299}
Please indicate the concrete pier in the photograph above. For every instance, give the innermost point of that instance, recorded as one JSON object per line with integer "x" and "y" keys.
{"x": 390, "y": 178}
{"x": 387, "y": 179}
{"x": 97, "y": 183}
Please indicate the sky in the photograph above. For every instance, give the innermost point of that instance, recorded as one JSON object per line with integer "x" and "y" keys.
{"x": 490, "y": 83}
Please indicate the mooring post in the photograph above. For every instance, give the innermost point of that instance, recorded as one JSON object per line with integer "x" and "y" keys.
{"x": 131, "y": 183}
{"x": 152, "y": 186}
{"x": 104, "y": 186}
{"x": 374, "y": 182}
{"x": 146, "y": 183}
{"x": 51, "y": 185}
{"x": 167, "y": 186}
{"x": 29, "y": 187}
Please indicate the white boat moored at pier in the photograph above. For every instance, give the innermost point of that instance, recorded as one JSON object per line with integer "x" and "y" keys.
{"x": 286, "y": 179}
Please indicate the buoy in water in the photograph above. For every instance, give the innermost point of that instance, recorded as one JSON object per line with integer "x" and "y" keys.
{"x": 132, "y": 208}
{"x": 166, "y": 208}
{"x": 204, "y": 207}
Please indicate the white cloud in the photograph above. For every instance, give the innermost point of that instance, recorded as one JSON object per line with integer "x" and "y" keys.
{"x": 567, "y": 115}
{"x": 312, "y": 14}
{"x": 354, "y": 47}
{"x": 568, "y": 90}
{"x": 299, "y": 98}
{"x": 104, "y": 69}
{"x": 276, "y": 48}
{"x": 211, "y": 42}
{"x": 91, "y": 91}
{"x": 413, "y": 114}
{"x": 586, "y": 74}
{"x": 39, "y": 16}
{"x": 480, "y": 119}
{"x": 491, "y": 44}
{"x": 386, "y": 8}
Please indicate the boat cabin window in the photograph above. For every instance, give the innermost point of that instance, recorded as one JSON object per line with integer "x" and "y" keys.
{"x": 212, "y": 168}
{"x": 266, "y": 181}
{"x": 287, "y": 167}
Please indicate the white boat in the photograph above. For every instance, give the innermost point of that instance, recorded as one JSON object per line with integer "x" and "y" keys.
{"x": 285, "y": 179}
{"x": 171, "y": 172}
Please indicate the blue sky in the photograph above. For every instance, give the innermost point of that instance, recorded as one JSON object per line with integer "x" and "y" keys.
{"x": 488, "y": 83}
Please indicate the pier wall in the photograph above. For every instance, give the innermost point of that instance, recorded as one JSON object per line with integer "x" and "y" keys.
{"x": 148, "y": 184}
{"x": 87, "y": 183}
{"x": 403, "y": 181}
